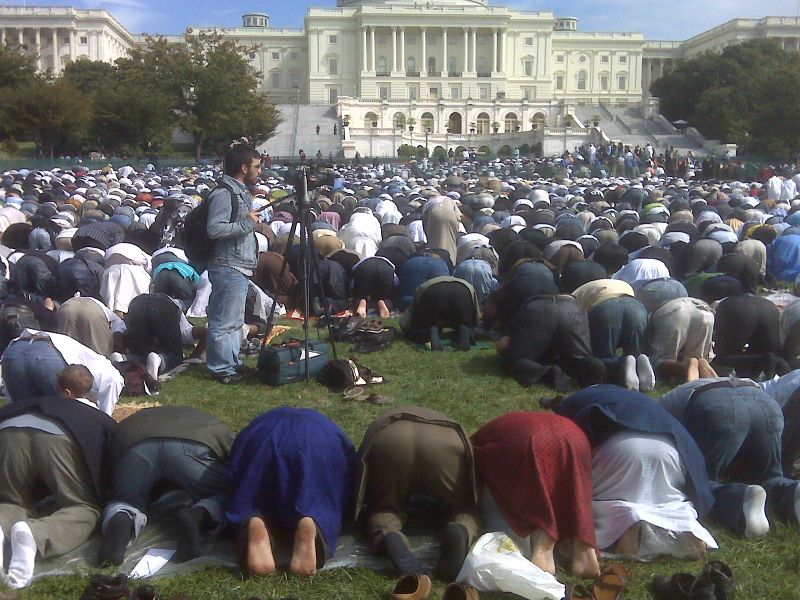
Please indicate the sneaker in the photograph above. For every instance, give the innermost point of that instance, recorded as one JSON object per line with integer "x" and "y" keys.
{"x": 228, "y": 379}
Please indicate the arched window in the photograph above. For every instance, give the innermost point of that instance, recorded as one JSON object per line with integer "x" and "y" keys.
{"x": 580, "y": 80}
{"x": 431, "y": 64}
{"x": 454, "y": 123}
{"x": 482, "y": 123}
{"x": 399, "y": 121}
{"x": 411, "y": 64}
{"x": 381, "y": 66}
{"x": 427, "y": 120}
{"x": 539, "y": 121}
{"x": 370, "y": 120}
{"x": 511, "y": 122}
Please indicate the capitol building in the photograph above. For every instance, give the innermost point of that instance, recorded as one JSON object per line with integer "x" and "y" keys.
{"x": 437, "y": 74}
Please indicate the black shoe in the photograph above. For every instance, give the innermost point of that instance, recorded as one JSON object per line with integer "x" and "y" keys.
{"x": 228, "y": 379}
{"x": 107, "y": 587}
{"x": 683, "y": 586}
{"x": 722, "y": 577}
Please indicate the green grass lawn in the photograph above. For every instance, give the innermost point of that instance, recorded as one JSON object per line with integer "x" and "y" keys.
{"x": 470, "y": 387}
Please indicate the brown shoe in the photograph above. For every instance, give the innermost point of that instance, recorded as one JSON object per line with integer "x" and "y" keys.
{"x": 412, "y": 587}
{"x": 460, "y": 591}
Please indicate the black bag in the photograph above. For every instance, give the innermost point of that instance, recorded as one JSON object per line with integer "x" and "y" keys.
{"x": 373, "y": 338}
{"x": 344, "y": 373}
{"x": 199, "y": 247}
{"x": 14, "y": 318}
{"x": 282, "y": 363}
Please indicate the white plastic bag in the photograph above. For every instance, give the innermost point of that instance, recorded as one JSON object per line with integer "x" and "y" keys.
{"x": 495, "y": 564}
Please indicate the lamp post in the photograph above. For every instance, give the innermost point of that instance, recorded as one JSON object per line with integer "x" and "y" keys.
{"x": 447, "y": 140}
{"x": 411, "y": 131}
{"x": 427, "y": 132}
{"x": 371, "y": 136}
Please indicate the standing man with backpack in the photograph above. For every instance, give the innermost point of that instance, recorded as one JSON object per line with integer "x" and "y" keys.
{"x": 231, "y": 228}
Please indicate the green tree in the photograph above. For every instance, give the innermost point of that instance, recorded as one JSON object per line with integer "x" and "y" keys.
{"x": 91, "y": 76}
{"x": 17, "y": 67}
{"x": 53, "y": 114}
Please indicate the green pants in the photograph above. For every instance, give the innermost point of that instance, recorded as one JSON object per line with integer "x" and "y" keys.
{"x": 35, "y": 465}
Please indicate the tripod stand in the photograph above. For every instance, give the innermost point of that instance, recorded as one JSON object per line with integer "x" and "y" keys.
{"x": 309, "y": 264}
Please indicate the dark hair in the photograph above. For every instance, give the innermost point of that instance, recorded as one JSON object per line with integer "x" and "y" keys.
{"x": 76, "y": 378}
{"x": 238, "y": 155}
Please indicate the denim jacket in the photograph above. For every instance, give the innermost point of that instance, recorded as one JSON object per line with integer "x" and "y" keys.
{"x": 235, "y": 243}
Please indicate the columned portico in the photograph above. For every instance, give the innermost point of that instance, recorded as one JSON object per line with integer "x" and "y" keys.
{"x": 444, "y": 52}
{"x": 423, "y": 68}
{"x": 474, "y": 66}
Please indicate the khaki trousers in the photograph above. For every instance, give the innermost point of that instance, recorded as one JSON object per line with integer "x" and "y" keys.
{"x": 35, "y": 465}
{"x": 408, "y": 457}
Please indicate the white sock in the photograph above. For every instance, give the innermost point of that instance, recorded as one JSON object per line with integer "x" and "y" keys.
{"x": 117, "y": 357}
{"x": 2, "y": 546}
{"x": 754, "y": 508}
{"x": 245, "y": 332}
{"x": 647, "y": 379}
{"x": 629, "y": 377}
{"x": 153, "y": 364}
{"x": 23, "y": 553}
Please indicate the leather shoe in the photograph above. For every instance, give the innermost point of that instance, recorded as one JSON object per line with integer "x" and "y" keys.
{"x": 722, "y": 577}
{"x": 412, "y": 587}
{"x": 683, "y": 586}
{"x": 460, "y": 591}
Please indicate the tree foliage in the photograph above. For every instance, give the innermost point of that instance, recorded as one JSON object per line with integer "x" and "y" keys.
{"x": 745, "y": 95}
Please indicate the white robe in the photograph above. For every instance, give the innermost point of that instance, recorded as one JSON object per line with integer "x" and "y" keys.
{"x": 120, "y": 284}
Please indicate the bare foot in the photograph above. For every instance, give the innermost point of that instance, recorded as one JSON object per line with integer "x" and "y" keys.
{"x": 361, "y": 311}
{"x": 705, "y": 369}
{"x": 542, "y": 546}
{"x": 383, "y": 310}
{"x": 584, "y": 560}
{"x": 628, "y": 543}
{"x": 260, "y": 561}
{"x": 693, "y": 374}
{"x": 304, "y": 554}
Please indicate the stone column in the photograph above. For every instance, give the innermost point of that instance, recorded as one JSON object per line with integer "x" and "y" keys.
{"x": 402, "y": 68}
{"x": 72, "y": 45}
{"x": 20, "y": 36}
{"x": 423, "y": 70}
{"x": 37, "y": 43}
{"x": 474, "y": 50}
{"x": 56, "y": 58}
{"x": 363, "y": 49}
{"x": 503, "y": 49}
{"x": 494, "y": 50}
{"x": 444, "y": 52}
{"x": 2, "y": 37}
{"x": 466, "y": 51}
{"x": 372, "y": 48}
{"x": 394, "y": 49}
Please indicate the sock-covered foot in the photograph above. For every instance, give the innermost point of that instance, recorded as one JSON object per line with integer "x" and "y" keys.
{"x": 644, "y": 370}
{"x": 23, "y": 554}
{"x": 629, "y": 377}
{"x": 189, "y": 538}
{"x": 436, "y": 341}
{"x": 399, "y": 554}
{"x": 304, "y": 552}
{"x": 153, "y": 364}
{"x": 116, "y": 538}
{"x": 455, "y": 545}
{"x": 754, "y": 511}
{"x": 463, "y": 335}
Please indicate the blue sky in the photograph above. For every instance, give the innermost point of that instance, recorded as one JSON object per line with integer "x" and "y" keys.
{"x": 664, "y": 20}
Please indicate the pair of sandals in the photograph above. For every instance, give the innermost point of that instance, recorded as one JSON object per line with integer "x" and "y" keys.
{"x": 609, "y": 585}
{"x": 362, "y": 394}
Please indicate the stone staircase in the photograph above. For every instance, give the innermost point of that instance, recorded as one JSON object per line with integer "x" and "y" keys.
{"x": 297, "y": 131}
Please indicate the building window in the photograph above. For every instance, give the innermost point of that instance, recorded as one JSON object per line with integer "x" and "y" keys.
{"x": 293, "y": 56}
{"x": 333, "y": 66}
{"x": 451, "y": 64}
{"x": 331, "y": 39}
{"x": 333, "y": 95}
{"x": 381, "y": 40}
{"x": 511, "y": 123}
{"x": 381, "y": 67}
{"x": 276, "y": 56}
{"x": 412, "y": 92}
{"x": 433, "y": 92}
{"x": 580, "y": 81}
{"x": 528, "y": 65}
{"x": 559, "y": 82}
{"x": 275, "y": 80}
{"x": 483, "y": 92}
{"x": 481, "y": 41}
{"x": 529, "y": 41}
{"x": 431, "y": 64}
{"x": 622, "y": 82}
{"x": 604, "y": 58}
{"x": 384, "y": 92}
{"x": 411, "y": 64}
{"x": 293, "y": 80}
{"x": 411, "y": 40}
{"x": 604, "y": 82}
{"x": 426, "y": 121}
{"x": 528, "y": 93}
{"x": 560, "y": 58}
{"x": 399, "y": 121}
{"x": 84, "y": 40}
{"x": 455, "y": 92}
{"x": 623, "y": 59}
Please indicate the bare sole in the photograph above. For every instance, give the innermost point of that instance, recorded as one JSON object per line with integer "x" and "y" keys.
{"x": 304, "y": 553}
{"x": 260, "y": 560}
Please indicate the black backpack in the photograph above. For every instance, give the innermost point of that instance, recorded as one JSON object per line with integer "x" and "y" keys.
{"x": 198, "y": 246}
{"x": 14, "y": 319}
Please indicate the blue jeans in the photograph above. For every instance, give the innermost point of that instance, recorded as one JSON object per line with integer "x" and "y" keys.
{"x": 618, "y": 323}
{"x": 741, "y": 428}
{"x": 225, "y": 319}
{"x": 31, "y": 368}
{"x": 187, "y": 465}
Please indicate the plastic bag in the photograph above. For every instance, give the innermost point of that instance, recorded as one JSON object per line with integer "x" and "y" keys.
{"x": 494, "y": 563}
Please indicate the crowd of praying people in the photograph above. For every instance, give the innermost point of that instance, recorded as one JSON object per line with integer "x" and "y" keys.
{"x": 607, "y": 286}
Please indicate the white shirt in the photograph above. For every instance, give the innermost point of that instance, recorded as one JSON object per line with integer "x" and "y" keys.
{"x": 108, "y": 381}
